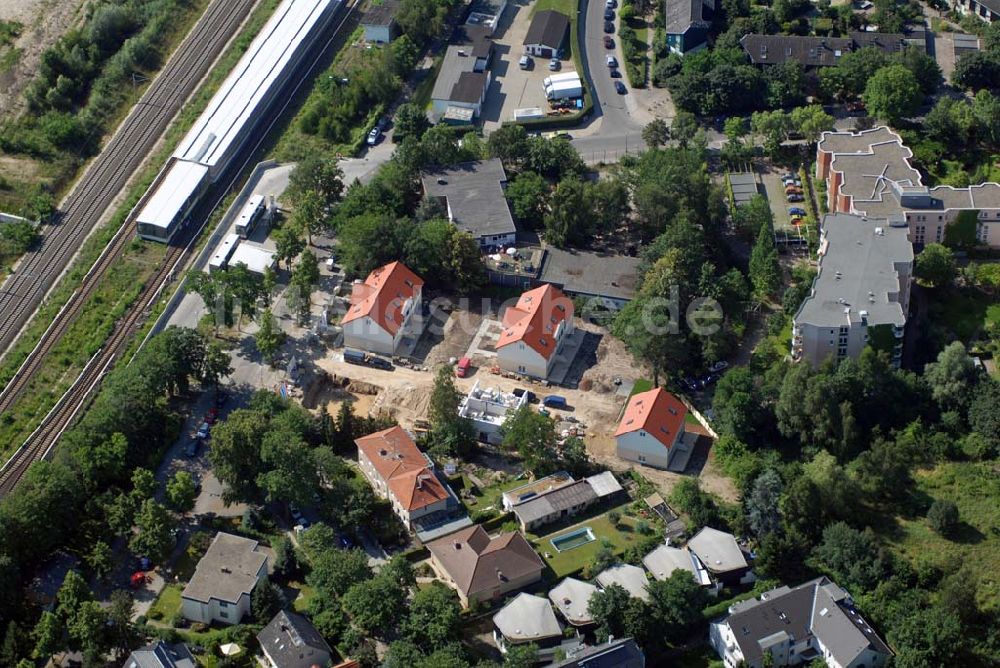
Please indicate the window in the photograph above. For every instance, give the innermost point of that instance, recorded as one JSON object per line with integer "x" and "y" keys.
{"x": 642, "y": 459}
{"x": 223, "y": 614}
{"x": 223, "y": 604}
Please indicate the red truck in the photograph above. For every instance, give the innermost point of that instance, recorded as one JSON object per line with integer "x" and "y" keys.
{"x": 463, "y": 366}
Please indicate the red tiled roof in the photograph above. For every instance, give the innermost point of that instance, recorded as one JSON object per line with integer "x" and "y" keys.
{"x": 535, "y": 318}
{"x": 382, "y": 296}
{"x": 403, "y": 468}
{"x": 658, "y": 412}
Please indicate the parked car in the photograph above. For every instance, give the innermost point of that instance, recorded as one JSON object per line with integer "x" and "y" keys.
{"x": 361, "y": 358}
{"x": 792, "y": 182}
{"x": 795, "y": 222}
{"x": 792, "y": 189}
{"x": 528, "y": 394}
{"x": 554, "y": 65}
{"x": 721, "y": 365}
{"x": 609, "y": 27}
{"x": 191, "y": 449}
{"x": 374, "y": 135}
{"x": 788, "y": 175}
{"x": 525, "y": 62}
{"x": 610, "y": 4}
{"x": 796, "y": 211}
{"x": 690, "y": 384}
{"x": 615, "y": 74}
{"x": 221, "y": 398}
{"x": 609, "y": 15}
{"x": 795, "y": 197}
{"x": 855, "y": 106}
{"x": 611, "y": 61}
{"x": 705, "y": 381}
{"x": 620, "y": 88}
{"x": 609, "y": 42}
{"x": 203, "y": 430}
{"x": 554, "y": 401}
{"x": 463, "y": 366}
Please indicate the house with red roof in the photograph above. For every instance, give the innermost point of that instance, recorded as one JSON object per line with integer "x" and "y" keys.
{"x": 383, "y": 309}
{"x": 534, "y": 331}
{"x": 651, "y": 431}
{"x": 401, "y": 473}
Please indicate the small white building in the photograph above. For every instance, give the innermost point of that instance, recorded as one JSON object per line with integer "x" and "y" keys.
{"x": 487, "y": 409}
{"x": 383, "y": 309}
{"x": 379, "y": 22}
{"x": 651, "y": 431}
{"x": 534, "y": 331}
{"x": 256, "y": 259}
{"x": 220, "y": 589}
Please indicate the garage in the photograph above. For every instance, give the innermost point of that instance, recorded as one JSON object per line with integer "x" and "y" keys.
{"x": 546, "y": 34}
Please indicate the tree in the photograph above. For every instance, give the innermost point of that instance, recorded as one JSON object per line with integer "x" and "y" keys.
{"x": 927, "y": 637}
{"x": 267, "y": 285}
{"x": 509, "y": 143}
{"x": 310, "y": 214}
{"x": 772, "y": 127}
{"x": 984, "y": 418}
{"x": 936, "y": 265}
{"x": 608, "y": 608}
{"x": 288, "y": 242}
{"x": 181, "y": 492}
{"x": 608, "y": 198}
{"x": 854, "y": 559}
{"x": 101, "y": 560}
{"x": 411, "y": 121}
{"x": 528, "y": 195}
{"x": 976, "y": 70}
{"x": 811, "y": 121}
{"x": 677, "y": 603}
{"x": 684, "y": 127}
{"x": 123, "y": 634}
{"x": 49, "y": 635}
{"x": 319, "y": 175}
{"x": 334, "y": 572}
{"x": 737, "y": 406}
{"x": 266, "y": 601}
{"x": 696, "y": 502}
{"x": 570, "y": 218}
{"x": 533, "y": 436}
{"x": 943, "y": 517}
{"x": 893, "y": 93}
{"x": 376, "y": 606}
{"x": 765, "y": 270}
{"x": 451, "y": 433}
{"x": 656, "y": 133}
{"x": 554, "y": 158}
{"x": 155, "y": 531}
{"x": 951, "y": 377}
{"x": 269, "y": 337}
{"x": 88, "y": 628}
{"x": 762, "y": 504}
{"x": 434, "y": 617}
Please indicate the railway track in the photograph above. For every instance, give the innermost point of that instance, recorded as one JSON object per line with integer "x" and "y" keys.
{"x": 107, "y": 175}
{"x": 38, "y": 445}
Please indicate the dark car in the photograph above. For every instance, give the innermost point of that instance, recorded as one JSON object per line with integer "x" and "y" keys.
{"x": 191, "y": 450}
{"x": 795, "y": 197}
{"x": 615, "y": 74}
{"x": 609, "y": 15}
{"x": 528, "y": 395}
{"x": 796, "y": 211}
{"x": 620, "y": 87}
{"x": 609, "y": 42}
{"x": 380, "y": 363}
{"x": 609, "y": 27}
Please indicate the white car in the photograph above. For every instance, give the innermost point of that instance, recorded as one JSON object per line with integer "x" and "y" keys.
{"x": 374, "y": 135}
{"x": 719, "y": 366}
{"x": 612, "y": 61}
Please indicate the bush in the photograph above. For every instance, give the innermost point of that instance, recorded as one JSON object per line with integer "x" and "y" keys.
{"x": 943, "y": 517}
{"x": 615, "y": 518}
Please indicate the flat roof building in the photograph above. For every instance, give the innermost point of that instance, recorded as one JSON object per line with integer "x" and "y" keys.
{"x": 488, "y": 410}
{"x": 462, "y": 81}
{"x": 225, "y": 577}
{"x": 608, "y": 279}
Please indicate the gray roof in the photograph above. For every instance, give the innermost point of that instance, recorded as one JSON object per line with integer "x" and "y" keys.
{"x": 889, "y": 42}
{"x": 859, "y": 271}
{"x": 527, "y": 618}
{"x": 717, "y": 550}
{"x": 572, "y": 598}
{"x": 469, "y": 87}
{"x": 817, "y": 608}
{"x": 291, "y": 641}
{"x": 591, "y": 273}
{"x": 475, "y": 197}
{"x": 810, "y": 51}
{"x": 457, "y": 60}
{"x": 985, "y": 196}
{"x": 682, "y": 14}
{"x": 664, "y": 560}
{"x": 491, "y": 7}
{"x": 383, "y": 14}
{"x": 227, "y": 571}
{"x": 621, "y": 653}
{"x": 604, "y": 484}
{"x": 475, "y": 38}
{"x": 563, "y": 498}
{"x": 632, "y": 578}
{"x": 548, "y": 28}
{"x": 161, "y": 655}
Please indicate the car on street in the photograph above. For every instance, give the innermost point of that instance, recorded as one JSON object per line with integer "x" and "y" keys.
{"x": 611, "y": 61}
{"x": 795, "y": 197}
{"x": 554, "y": 65}
{"x": 620, "y": 88}
{"x": 610, "y": 4}
{"x": 615, "y": 74}
{"x": 609, "y": 42}
{"x": 191, "y": 449}
{"x": 609, "y": 27}
{"x": 796, "y": 211}
{"x": 609, "y": 15}
{"x": 203, "y": 430}
{"x": 787, "y": 175}
{"x": 374, "y": 135}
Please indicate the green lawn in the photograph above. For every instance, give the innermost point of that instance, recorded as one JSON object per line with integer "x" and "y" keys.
{"x": 641, "y": 385}
{"x": 491, "y": 495}
{"x": 571, "y": 561}
{"x": 167, "y": 604}
{"x": 975, "y": 488}
{"x": 964, "y": 312}
{"x": 301, "y": 603}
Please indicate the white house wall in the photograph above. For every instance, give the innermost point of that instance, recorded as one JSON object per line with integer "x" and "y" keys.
{"x": 365, "y": 334}
{"x": 521, "y": 358}
{"x": 643, "y": 448}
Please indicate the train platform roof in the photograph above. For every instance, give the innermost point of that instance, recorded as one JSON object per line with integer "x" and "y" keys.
{"x": 181, "y": 181}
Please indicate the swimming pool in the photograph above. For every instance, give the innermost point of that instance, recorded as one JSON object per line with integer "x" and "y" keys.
{"x": 574, "y": 538}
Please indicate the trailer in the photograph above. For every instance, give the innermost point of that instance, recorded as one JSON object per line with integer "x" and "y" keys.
{"x": 563, "y": 86}
{"x": 252, "y": 213}
{"x": 223, "y": 252}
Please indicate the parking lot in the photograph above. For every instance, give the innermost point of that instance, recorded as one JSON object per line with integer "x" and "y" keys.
{"x": 774, "y": 190}
{"x": 513, "y": 88}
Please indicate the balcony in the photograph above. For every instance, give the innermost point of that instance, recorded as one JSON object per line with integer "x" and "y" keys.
{"x": 898, "y": 332}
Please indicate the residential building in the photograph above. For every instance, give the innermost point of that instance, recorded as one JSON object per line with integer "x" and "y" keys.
{"x": 606, "y": 280}
{"x": 820, "y": 51}
{"x": 652, "y": 433}
{"x": 462, "y": 81}
{"x": 869, "y": 174}
{"x": 665, "y": 560}
{"x": 816, "y": 620}
{"x": 631, "y": 578}
{"x": 530, "y": 490}
{"x": 984, "y": 10}
{"x": 860, "y": 295}
{"x": 488, "y": 409}
{"x": 220, "y": 589}
{"x": 616, "y": 653}
{"x": 291, "y": 641}
{"x": 571, "y": 598}
{"x": 546, "y": 34}
{"x": 566, "y": 500}
{"x": 400, "y": 472}
{"x": 473, "y": 195}
{"x": 486, "y": 14}
{"x": 533, "y": 331}
{"x": 161, "y": 655}
{"x": 481, "y": 568}
{"x": 379, "y": 22}
{"x": 722, "y": 556}
{"x": 527, "y": 619}
{"x": 385, "y": 308}
{"x": 687, "y": 24}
